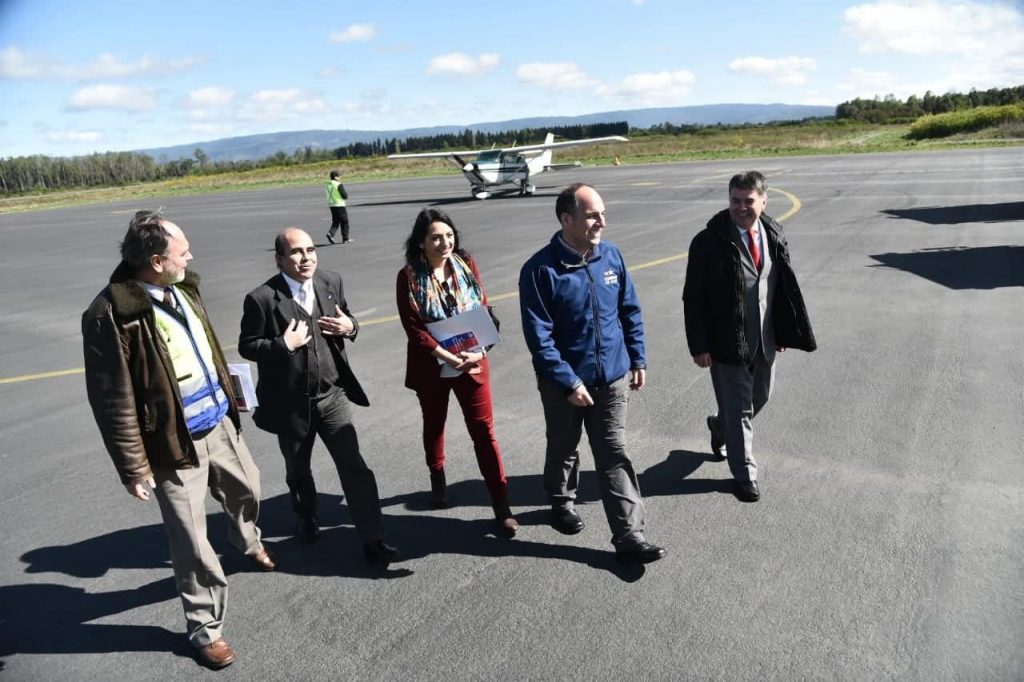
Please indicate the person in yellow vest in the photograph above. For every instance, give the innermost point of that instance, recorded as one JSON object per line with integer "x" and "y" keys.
{"x": 336, "y": 196}
{"x": 159, "y": 388}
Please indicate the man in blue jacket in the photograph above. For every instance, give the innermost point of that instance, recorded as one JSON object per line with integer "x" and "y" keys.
{"x": 585, "y": 331}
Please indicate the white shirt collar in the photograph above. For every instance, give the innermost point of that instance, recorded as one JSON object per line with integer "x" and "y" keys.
{"x": 294, "y": 285}
{"x": 156, "y": 292}
{"x": 757, "y": 228}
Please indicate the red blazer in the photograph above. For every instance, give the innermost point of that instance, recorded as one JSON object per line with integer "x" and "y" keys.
{"x": 421, "y": 367}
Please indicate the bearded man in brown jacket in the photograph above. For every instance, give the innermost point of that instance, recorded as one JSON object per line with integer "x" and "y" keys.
{"x": 160, "y": 391}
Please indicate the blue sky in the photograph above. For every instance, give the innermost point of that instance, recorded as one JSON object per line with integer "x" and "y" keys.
{"x": 78, "y": 77}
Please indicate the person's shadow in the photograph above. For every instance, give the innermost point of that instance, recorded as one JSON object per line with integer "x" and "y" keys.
{"x": 47, "y": 618}
{"x": 55, "y": 618}
{"x": 674, "y": 476}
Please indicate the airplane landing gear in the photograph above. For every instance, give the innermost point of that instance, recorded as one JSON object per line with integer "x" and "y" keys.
{"x": 527, "y": 190}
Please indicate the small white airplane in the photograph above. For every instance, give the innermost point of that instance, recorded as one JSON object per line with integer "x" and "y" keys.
{"x": 513, "y": 165}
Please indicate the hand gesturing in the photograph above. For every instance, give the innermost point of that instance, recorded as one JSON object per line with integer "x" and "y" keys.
{"x": 297, "y": 334}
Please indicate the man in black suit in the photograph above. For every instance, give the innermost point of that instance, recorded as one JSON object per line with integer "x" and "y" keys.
{"x": 294, "y": 327}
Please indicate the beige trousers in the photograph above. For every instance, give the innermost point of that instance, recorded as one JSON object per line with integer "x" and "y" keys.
{"x": 225, "y": 467}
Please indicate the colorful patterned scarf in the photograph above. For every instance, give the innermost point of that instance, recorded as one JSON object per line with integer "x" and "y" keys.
{"x": 435, "y": 300}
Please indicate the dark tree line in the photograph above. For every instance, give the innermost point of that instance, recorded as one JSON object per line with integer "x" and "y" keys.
{"x": 23, "y": 174}
{"x": 472, "y": 139}
{"x": 892, "y": 110}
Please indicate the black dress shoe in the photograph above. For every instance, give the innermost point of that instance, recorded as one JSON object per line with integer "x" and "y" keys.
{"x": 330, "y": 238}
{"x": 308, "y": 530}
{"x": 641, "y": 552}
{"x": 566, "y": 521}
{"x": 380, "y": 552}
{"x": 747, "y": 491}
{"x": 716, "y": 443}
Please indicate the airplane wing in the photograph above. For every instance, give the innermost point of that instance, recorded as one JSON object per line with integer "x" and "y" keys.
{"x": 525, "y": 148}
{"x": 567, "y": 143}
{"x": 438, "y": 155}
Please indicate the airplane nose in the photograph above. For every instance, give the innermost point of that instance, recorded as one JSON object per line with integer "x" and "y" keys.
{"x": 469, "y": 168}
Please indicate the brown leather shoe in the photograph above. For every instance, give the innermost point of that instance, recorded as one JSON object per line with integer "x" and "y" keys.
{"x": 265, "y": 560}
{"x": 216, "y": 655}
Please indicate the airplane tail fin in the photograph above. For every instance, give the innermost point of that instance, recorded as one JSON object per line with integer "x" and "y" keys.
{"x": 540, "y": 162}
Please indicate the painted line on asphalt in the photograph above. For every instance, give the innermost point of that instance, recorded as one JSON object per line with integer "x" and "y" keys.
{"x": 796, "y": 206}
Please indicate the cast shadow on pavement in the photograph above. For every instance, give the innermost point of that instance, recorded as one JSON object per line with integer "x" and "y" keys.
{"x": 962, "y": 267}
{"x": 956, "y": 215}
{"x": 145, "y": 547}
{"x": 673, "y": 475}
{"x": 47, "y": 618}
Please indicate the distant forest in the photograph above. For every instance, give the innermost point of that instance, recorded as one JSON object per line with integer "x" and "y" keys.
{"x": 892, "y": 110}
{"x": 20, "y": 175}
{"x": 39, "y": 173}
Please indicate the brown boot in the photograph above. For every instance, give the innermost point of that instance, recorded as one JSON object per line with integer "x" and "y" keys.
{"x": 438, "y": 489}
{"x": 506, "y": 522}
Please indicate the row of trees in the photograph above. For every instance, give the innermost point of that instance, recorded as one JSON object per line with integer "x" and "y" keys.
{"x": 472, "y": 139}
{"x": 892, "y": 110}
{"x": 23, "y": 174}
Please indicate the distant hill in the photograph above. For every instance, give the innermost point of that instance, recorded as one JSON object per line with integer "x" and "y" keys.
{"x": 251, "y": 147}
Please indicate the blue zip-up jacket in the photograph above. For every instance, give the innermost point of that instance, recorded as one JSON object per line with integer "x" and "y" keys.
{"x": 581, "y": 320}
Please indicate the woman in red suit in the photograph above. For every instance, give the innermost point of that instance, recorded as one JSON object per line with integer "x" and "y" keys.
{"x": 440, "y": 280}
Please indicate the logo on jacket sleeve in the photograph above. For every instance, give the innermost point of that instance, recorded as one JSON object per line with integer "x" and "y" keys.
{"x": 611, "y": 278}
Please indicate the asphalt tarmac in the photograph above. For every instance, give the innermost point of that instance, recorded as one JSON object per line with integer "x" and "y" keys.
{"x": 888, "y": 543}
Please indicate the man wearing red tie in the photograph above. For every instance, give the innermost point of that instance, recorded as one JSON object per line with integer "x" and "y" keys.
{"x": 741, "y": 303}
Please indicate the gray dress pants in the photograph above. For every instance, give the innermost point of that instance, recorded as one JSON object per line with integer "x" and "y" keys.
{"x": 741, "y": 391}
{"x": 605, "y": 422}
{"x": 331, "y": 418}
{"x": 225, "y": 467}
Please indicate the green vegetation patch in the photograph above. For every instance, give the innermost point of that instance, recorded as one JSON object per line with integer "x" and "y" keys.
{"x": 966, "y": 121}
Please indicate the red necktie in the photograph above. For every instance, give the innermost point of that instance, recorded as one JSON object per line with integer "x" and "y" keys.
{"x": 755, "y": 248}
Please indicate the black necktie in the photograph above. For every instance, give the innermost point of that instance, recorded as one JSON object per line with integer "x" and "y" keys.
{"x": 170, "y": 300}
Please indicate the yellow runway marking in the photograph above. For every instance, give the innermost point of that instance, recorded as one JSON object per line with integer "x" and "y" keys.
{"x": 796, "y": 206}
{"x": 42, "y": 375}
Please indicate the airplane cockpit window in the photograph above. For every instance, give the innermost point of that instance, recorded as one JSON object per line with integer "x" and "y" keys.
{"x": 488, "y": 157}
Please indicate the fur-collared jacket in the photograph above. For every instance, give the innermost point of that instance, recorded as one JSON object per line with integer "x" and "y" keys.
{"x": 131, "y": 383}
{"x": 713, "y": 294}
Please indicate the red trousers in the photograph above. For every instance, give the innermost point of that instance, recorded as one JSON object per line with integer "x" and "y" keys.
{"x": 475, "y": 400}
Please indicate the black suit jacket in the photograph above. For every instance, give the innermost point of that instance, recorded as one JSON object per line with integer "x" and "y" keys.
{"x": 282, "y": 388}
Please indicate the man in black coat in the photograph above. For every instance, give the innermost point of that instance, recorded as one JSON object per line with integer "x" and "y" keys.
{"x": 294, "y": 327}
{"x": 741, "y": 303}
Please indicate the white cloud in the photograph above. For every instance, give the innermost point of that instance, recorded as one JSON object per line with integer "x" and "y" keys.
{"x": 936, "y": 28}
{"x": 332, "y": 72}
{"x": 967, "y": 45}
{"x": 354, "y": 33}
{"x": 16, "y": 63}
{"x": 462, "y": 64}
{"x": 555, "y": 75}
{"x": 75, "y": 136}
{"x": 787, "y": 70}
{"x": 282, "y": 105}
{"x": 662, "y": 88}
{"x": 211, "y": 96}
{"x": 113, "y": 97}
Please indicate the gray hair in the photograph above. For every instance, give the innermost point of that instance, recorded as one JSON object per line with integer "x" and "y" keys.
{"x": 146, "y": 237}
